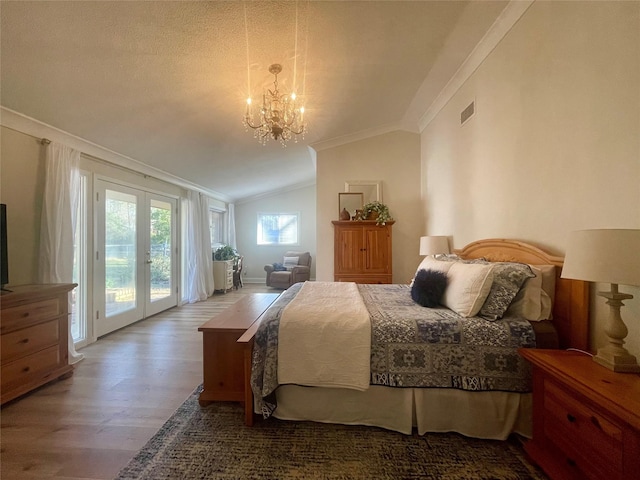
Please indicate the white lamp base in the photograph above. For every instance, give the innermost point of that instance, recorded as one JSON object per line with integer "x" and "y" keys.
{"x": 617, "y": 362}
{"x": 614, "y": 356}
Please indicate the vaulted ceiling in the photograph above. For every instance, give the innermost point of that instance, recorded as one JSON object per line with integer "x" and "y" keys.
{"x": 165, "y": 83}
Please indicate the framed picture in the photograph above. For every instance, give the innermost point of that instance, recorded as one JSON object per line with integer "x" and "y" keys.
{"x": 371, "y": 189}
{"x": 349, "y": 202}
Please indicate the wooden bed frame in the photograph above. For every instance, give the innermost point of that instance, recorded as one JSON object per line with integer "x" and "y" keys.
{"x": 570, "y": 311}
{"x": 571, "y": 303}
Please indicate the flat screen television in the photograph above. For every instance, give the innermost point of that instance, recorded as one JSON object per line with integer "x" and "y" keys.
{"x": 4, "y": 264}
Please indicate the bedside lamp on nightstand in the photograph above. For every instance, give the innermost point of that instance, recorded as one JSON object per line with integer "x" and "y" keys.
{"x": 434, "y": 244}
{"x": 608, "y": 256}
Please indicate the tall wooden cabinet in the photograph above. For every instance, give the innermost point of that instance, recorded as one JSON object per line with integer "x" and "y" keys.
{"x": 34, "y": 326}
{"x": 362, "y": 252}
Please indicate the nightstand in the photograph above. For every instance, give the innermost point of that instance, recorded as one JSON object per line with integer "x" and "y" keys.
{"x": 586, "y": 418}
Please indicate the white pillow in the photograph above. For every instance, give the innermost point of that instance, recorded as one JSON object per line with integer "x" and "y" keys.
{"x": 532, "y": 302}
{"x": 290, "y": 262}
{"x": 430, "y": 263}
{"x": 468, "y": 285}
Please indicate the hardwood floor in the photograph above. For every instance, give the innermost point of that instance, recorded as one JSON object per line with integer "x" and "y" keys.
{"x": 129, "y": 383}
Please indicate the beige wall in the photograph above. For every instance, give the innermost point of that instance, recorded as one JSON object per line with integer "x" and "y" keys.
{"x": 393, "y": 158}
{"x": 554, "y": 145}
{"x": 301, "y": 200}
{"x": 21, "y": 188}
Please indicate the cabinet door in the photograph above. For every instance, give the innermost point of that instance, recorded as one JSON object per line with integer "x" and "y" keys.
{"x": 377, "y": 249}
{"x": 349, "y": 249}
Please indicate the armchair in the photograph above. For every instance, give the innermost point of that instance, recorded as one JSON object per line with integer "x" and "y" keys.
{"x": 285, "y": 278}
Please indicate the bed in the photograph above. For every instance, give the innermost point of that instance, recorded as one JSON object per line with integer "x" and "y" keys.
{"x": 463, "y": 374}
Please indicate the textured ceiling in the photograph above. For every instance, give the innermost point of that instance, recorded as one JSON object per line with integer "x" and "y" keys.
{"x": 165, "y": 83}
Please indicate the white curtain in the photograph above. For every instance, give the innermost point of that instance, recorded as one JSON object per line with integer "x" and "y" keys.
{"x": 198, "y": 249}
{"x": 231, "y": 225}
{"x": 58, "y": 223}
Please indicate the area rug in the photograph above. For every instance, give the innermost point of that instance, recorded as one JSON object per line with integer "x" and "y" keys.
{"x": 213, "y": 443}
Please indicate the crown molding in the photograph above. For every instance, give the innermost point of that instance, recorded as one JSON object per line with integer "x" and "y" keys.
{"x": 278, "y": 191}
{"x": 503, "y": 24}
{"x": 362, "y": 135}
{"x": 35, "y": 128}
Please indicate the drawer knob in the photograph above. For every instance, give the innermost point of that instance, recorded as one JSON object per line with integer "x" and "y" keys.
{"x": 571, "y": 418}
{"x": 24, "y": 340}
{"x": 25, "y": 314}
{"x": 26, "y": 369}
{"x": 571, "y": 462}
{"x": 595, "y": 421}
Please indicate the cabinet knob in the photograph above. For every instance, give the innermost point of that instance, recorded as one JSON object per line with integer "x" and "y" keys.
{"x": 571, "y": 418}
{"x": 26, "y": 369}
{"x": 24, "y": 340}
{"x": 571, "y": 462}
{"x": 595, "y": 421}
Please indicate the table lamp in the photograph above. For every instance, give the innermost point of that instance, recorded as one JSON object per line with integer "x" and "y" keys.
{"x": 434, "y": 244}
{"x": 607, "y": 256}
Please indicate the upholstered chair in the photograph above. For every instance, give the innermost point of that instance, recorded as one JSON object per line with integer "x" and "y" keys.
{"x": 297, "y": 273}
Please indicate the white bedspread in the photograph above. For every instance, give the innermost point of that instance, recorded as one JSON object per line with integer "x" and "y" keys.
{"x": 325, "y": 337}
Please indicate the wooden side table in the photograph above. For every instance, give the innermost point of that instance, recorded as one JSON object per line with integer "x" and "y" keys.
{"x": 34, "y": 326}
{"x": 586, "y": 418}
{"x": 223, "y": 357}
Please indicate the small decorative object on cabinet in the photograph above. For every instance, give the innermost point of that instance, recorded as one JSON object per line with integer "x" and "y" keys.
{"x": 362, "y": 252}
{"x": 34, "y": 328}
{"x": 586, "y": 418}
{"x": 223, "y": 274}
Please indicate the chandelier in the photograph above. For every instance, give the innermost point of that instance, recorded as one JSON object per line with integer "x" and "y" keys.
{"x": 280, "y": 116}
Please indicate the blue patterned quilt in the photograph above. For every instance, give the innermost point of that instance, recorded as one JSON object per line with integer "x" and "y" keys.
{"x": 414, "y": 346}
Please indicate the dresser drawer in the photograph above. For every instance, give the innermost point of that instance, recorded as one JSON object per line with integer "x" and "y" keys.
{"x": 586, "y": 437}
{"x": 29, "y": 314}
{"x": 24, "y": 369}
{"x": 29, "y": 340}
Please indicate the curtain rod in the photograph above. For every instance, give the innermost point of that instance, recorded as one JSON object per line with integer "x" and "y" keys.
{"x": 45, "y": 141}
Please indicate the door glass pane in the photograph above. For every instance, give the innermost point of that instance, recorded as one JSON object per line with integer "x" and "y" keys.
{"x": 160, "y": 250}
{"x": 79, "y": 294}
{"x": 120, "y": 252}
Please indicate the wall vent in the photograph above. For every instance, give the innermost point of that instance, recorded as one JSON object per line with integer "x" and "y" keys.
{"x": 468, "y": 112}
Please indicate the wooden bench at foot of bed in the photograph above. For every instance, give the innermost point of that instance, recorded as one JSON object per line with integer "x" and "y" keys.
{"x": 226, "y": 356}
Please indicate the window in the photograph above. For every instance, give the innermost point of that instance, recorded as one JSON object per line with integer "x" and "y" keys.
{"x": 278, "y": 228}
{"x": 80, "y": 273}
{"x": 216, "y": 224}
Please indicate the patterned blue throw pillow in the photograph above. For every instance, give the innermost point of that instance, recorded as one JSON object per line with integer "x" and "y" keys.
{"x": 428, "y": 287}
{"x": 508, "y": 278}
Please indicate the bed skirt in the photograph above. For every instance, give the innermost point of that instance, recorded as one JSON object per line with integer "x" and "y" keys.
{"x": 490, "y": 415}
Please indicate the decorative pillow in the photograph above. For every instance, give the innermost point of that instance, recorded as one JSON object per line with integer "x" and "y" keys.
{"x": 430, "y": 263}
{"x": 508, "y": 278}
{"x": 278, "y": 267}
{"x": 290, "y": 262}
{"x": 428, "y": 287}
{"x": 532, "y": 302}
{"x": 467, "y": 288}
{"x": 452, "y": 257}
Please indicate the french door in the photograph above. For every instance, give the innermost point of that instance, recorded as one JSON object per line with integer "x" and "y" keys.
{"x": 135, "y": 258}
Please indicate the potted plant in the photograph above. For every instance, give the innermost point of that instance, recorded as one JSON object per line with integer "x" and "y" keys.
{"x": 225, "y": 252}
{"x": 376, "y": 211}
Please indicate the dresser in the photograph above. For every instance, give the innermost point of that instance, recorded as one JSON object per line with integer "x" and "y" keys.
{"x": 223, "y": 275}
{"x": 586, "y": 418}
{"x": 362, "y": 252}
{"x": 34, "y": 326}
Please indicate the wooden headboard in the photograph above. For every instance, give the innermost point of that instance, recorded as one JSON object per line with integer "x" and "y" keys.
{"x": 571, "y": 304}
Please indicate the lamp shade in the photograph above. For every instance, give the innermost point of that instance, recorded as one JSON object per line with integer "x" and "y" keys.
{"x": 434, "y": 244}
{"x": 607, "y": 256}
